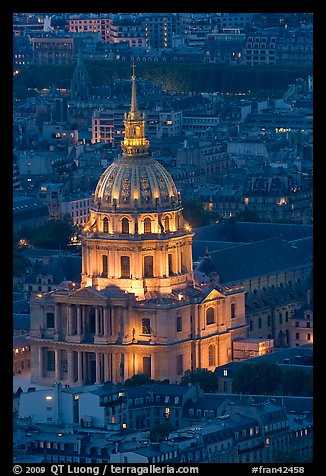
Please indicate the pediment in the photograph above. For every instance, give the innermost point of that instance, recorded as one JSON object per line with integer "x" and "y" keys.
{"x": 213, "y": 294}
{"x": 87, "y": 293}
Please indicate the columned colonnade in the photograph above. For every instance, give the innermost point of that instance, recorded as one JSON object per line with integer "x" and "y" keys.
{"x": 89, "y": 365}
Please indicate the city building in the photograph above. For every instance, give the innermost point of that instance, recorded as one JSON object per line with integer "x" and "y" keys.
{"x": 28, "y": 211}
{"x": 21, "y": 354}
{"x": 275, "y": 272}
{"x": 247, "y": 348}
{"x": 48, "y": 273}
{"x": 138, "y": 309}
{"x": 85, "y": 23}
{"x": 160, "y": 29}
{"x": 77, "y": 207}
{"x": 286, "y": 358}
{"x": 52, "y": 49}
{"x": 301, "y": 323}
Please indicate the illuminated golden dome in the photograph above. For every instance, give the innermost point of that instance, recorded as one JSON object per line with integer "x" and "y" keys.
{"x": 131, "y": 183}
{"x": 135, "y": 181}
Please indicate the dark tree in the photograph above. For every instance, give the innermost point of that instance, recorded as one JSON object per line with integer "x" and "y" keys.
{"x": 247, "y": 215}
{"x": 55, "y": 234}
{"x": 160, "y": 432}
{"x": 20, "y": 263}
{"x": 257, "y": 378}
{"x": 194, "y": 213}
{"x": 206, "y": 379}
{"x": 137, "y": 379}
{"x": 297, "y": 381}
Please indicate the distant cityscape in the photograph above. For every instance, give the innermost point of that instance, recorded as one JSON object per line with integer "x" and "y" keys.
{"x": 163, "y": 238}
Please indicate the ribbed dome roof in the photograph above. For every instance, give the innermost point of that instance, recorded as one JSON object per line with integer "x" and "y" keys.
{"x": 135, "y": 183}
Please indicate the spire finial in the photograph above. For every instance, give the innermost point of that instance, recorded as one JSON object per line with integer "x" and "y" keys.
{"x": 134, "y": 107}
{"x": 133, "y": 77}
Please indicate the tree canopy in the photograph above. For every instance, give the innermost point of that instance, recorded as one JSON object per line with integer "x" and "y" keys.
{"x": 55, "y": 234}
{"x": 206, "y": 379}
{"x": 174, "y": 76}
{"x": 257, "y": 378}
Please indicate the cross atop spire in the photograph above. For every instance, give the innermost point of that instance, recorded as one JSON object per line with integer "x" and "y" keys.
{"x": 133, "y": 77}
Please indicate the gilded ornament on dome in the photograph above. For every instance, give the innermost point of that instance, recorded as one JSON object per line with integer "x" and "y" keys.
{"x": 125, "y": 191}
{"x": 145, "y": 189}
{"x": 109, "y": 183}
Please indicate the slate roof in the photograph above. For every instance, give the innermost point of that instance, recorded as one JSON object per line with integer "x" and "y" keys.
{"x": 252, "y": 260}
{"x": 246, "y": 232}
{"x": 38, "y": 253}
{"x": 21, "y": 321}
{"x": 19, "y": 341}
{"x": 157, "y": 389}
{"x": 199, "y": 247}
{"x": 272, "y": 296}
{"x": 21, "y": 306}
{"x": 25, "y": 207}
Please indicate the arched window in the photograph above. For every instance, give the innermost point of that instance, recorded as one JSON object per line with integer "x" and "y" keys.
{"x": 148, "y": 266}
{"x": 211, "y": 355}
{"x": 210, "y": 316}
{"x": 167, "y": 224}
{"x": 125, "y": 266}
{"x": 125, "y": 226}
{"x": 104, "y": 266}
{"x": 147, "y": 225}
{"x": 105, "y": 225}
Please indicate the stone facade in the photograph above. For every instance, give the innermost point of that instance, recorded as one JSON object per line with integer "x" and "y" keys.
{"x": 138, "y": 309}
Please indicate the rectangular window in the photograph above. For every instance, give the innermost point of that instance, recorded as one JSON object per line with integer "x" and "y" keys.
{"x": 50, "y": 320}
{"x": 148, "y": 266}
{"x": 125, "y": 267}
{"x": 147, "y": 366}
{"x": 50, "y": 360}
{"x": 146, "y": 326}
{"x": 232, "y": 311}
{"x": 179, "y": 323}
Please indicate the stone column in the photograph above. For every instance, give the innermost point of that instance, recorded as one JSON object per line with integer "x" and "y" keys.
{"x": 41, "y": 361}
{"x": 153, "y": 363}
{"x": 135, "y": 363}
{"x": 166, "y": 259}
{"x": 85, "y": 366}
{"x": 57, "y": 320}
{"x": 179, "y": 259}
{"x": 114, "y": 368}
{"x": 126, "y": 366}
{"x": 69, "y": 320}
{"x": 97, "y": 321}
{"x": 160, "y": 262}
{"x": 98, "y": 367}
{"x": 57, "y": 364}
{"x": 83, "y": 319}
{"x": 106, "y": 364}
{"x": 115, "y": 265}
{"x": 105, "y": 321}
{"x": 80, "y": 367}
{"x": 70, "y": 366}
{"x": 78, "y": 319}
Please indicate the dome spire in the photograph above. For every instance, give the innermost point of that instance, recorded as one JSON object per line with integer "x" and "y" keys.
{"x": 134, "y": 142}
{"x": 134, "y": 107}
